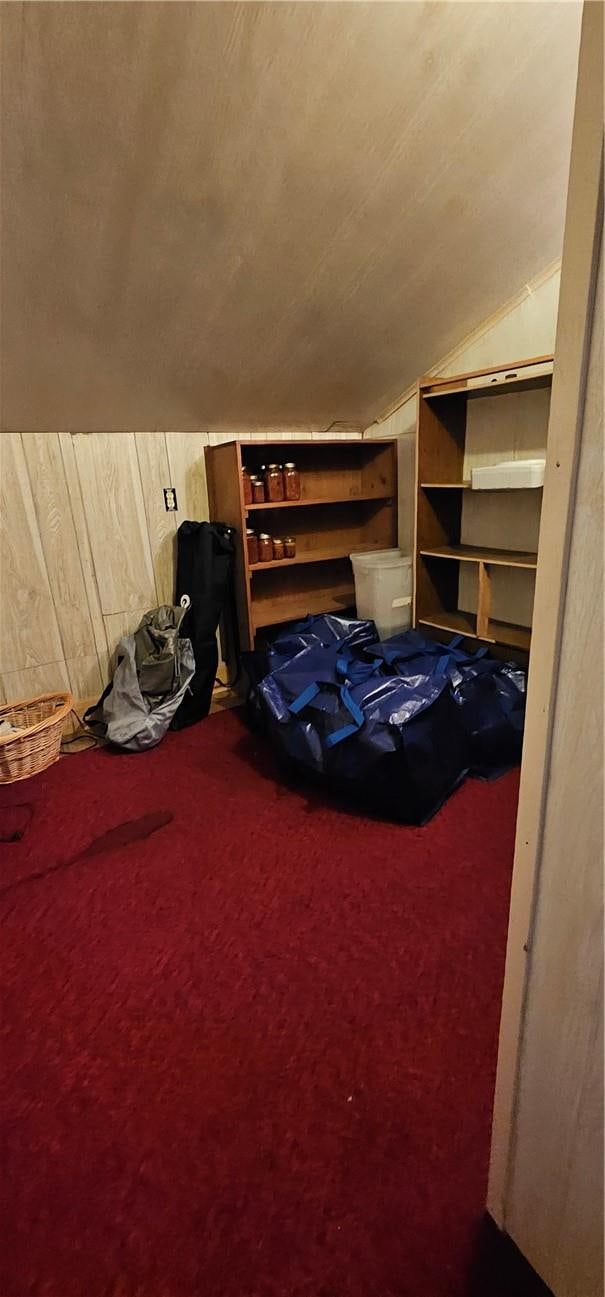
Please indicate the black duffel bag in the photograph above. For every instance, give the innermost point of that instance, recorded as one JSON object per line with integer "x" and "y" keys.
{"x": 205, "y": 554}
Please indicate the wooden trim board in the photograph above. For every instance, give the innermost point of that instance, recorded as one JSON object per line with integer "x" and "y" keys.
{"x": 583, "y": 221}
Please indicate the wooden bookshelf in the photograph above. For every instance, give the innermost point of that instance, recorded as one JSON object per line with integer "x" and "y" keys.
{"x": 348, "y": 504}
{"x": 467, "y": 541}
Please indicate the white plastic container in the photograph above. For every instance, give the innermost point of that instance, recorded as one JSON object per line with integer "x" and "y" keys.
{"x": 383, "y": 589}
{"x": 508, "y": 475}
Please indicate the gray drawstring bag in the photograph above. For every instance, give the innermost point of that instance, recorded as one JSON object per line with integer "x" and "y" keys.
{"x": 154, "y": 668}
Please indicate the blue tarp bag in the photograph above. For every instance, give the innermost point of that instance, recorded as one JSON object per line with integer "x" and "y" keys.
{"x": 396, "y": 744}
{"x": 308, "y": 702}
{"x": 321, "y": 631}
{"x": 489, "y": 693}
{"x": 490, "y": 696}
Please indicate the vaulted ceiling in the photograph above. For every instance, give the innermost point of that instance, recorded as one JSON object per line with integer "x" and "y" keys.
{"x": 263, "y": 215}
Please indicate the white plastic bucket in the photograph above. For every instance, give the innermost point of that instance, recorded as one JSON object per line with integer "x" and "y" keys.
{"x": 383, "y": 589}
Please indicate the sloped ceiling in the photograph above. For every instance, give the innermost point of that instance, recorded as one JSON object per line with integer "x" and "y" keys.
{"x": 266, "y": 215}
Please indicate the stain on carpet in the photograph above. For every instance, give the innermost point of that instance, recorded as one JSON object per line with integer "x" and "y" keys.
{"x": 121, "y": 835}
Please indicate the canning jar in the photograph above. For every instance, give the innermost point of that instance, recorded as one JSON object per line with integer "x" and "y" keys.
{"x": 265, "y": 548}
{"x": 290, "y": 547}
{"x": 247, "y": 486}
{"x": 291, "y": 482}
{"x": 258, "y": 490}
{"x": 274, "y": 483}
{"x": 278, "y": 548}
{"x": 252, "y": 545}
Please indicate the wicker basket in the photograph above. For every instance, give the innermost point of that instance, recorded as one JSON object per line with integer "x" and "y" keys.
{"x": 39, "y": 744}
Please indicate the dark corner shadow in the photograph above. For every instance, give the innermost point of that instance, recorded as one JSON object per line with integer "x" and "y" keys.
{"x": 498, "y": 1269}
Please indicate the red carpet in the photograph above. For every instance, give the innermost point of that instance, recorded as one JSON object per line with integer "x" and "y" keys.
{"x": 250, "y": 1036}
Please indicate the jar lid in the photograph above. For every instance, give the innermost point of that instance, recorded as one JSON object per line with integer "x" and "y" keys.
{"x": 256, "y": 478}
{"x": 264, "y": 535}
{"x": 289, "y": 540}
{"x": 250, "y": 531}
{"x": 290, "y": 465}
{"x": 274, "y": 466}
{"x": 277, "y": 540}
{"x": 245, "y": 468}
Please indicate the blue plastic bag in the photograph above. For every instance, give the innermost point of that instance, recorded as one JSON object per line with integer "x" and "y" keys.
{"x": 322, "y": 630}
{"x": 489, "y": 693}
{"x": 396, "y": 744}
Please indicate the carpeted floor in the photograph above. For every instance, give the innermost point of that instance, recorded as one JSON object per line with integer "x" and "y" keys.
{"x": 249, "y": 1035}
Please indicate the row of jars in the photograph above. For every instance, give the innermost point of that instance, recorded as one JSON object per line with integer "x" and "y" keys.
{"x": 273, "y": 483}
{"x": 263, "y": 548}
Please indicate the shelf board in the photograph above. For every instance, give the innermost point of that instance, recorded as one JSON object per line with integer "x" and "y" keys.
{"x": 314, "y": 556}
{"x": 294, "y": 606}
{"x": 504, "y": 632}
{"x": 459, "y": 623}
{"x": 464, "y": 623}
{"x": 519, "y": 384}
{"x": 468, "y": 486}
{"x": 445, "y": 486}
{"x": 320, "y": 499}
{"x": 480, "y": 554}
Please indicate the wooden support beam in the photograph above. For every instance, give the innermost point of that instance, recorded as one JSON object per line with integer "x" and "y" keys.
{"x": 484, "y": 601}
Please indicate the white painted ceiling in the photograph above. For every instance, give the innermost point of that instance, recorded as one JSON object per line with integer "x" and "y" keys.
{"x": 268, "y": 215}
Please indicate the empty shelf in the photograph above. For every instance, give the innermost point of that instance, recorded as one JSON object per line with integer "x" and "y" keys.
{"x": 480, "y": 554}
{"x": 445, "y": 486}
{"x": 464, "y": 623}
{"x": 459, "y": 623}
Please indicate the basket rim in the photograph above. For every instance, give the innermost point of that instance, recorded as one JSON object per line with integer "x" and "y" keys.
{"x": 28, "y": 730}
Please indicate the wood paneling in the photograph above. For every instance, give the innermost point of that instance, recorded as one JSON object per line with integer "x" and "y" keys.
{"x": 161, "y": 525}
{"x": 30, "y": 629}
{"x": 229, "y": 216}
{"x": 35, "y": 680}
{"x": 111, "y": 488}
{"x": 58, "y": 538}
{"x": 87, "y": 548}
{"x": 188, "y": 474}
{"x": 72, "y": 483}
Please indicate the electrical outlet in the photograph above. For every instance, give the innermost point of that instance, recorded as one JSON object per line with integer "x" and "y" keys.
{"x": 170, "y": 503}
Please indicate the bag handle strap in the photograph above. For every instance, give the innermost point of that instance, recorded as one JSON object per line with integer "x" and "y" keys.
{"x": 357, "y": 717}
{"x": 352, "y": 668}
{"x": 306, "y": 696}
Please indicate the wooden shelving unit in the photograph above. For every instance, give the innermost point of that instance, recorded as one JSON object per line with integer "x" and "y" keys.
{"x": 456, "y": 570}
{"x": 348, "y": 504}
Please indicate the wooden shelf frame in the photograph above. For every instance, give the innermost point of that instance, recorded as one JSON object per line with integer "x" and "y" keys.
{"x": 444, "y": 494}
{"x": 312, "y": 556}
{"x": 483, "y": 555}
{"x": 309, "y": 502}
{"x": 348, "y": 505}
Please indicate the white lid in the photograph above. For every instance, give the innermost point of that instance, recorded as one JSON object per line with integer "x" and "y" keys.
{"x": 382, "y": 558}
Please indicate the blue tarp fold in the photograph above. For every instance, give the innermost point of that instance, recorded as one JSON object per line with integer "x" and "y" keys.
{"x": 397, "y": 724}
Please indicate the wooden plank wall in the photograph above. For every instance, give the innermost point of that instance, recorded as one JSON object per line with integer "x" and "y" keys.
{"x": 86, "y": 546}
{"x": 554, "y": 1204}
